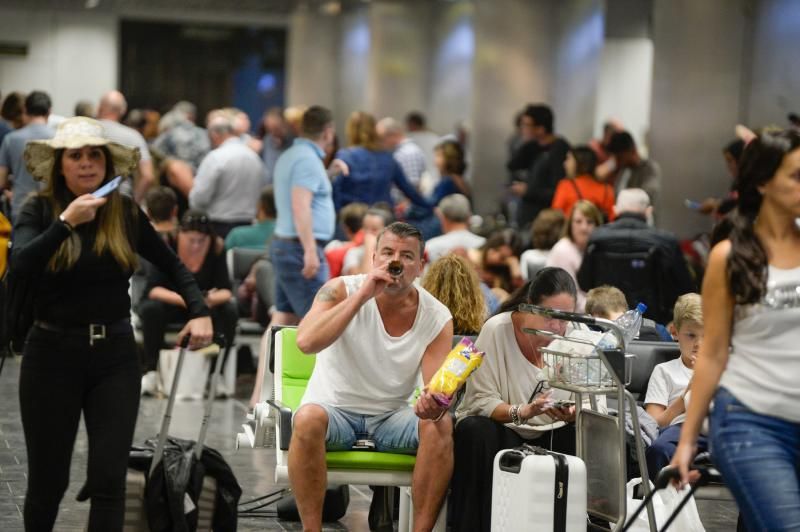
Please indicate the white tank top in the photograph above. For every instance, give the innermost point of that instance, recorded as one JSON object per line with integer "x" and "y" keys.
{"x": 763, "y": 370}
{"x": 365, "y": 370}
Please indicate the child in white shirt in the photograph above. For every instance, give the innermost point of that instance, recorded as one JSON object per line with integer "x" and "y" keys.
{"x": 668, "y": 389}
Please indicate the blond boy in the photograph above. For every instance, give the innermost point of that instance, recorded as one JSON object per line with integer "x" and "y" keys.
{"x": 670, "y": 382}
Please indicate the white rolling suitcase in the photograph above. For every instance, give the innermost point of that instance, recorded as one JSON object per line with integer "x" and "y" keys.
{"x": 536, "y": 489}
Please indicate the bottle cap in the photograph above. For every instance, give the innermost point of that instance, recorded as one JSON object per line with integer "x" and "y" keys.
{"x": 641, "y": 308}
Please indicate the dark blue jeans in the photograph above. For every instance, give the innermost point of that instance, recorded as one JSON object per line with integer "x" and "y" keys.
{"x": 758, "y": 457}
{"x": 659, "y": 454}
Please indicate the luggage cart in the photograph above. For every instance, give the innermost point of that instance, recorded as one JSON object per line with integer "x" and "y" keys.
{"x": 600, "y": 437}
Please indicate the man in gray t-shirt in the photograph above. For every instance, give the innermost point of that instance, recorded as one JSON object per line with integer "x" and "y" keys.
{"x": 12, "y": 164}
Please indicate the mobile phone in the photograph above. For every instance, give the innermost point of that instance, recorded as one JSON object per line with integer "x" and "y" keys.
{"x": 108, "y": 188}
{"x": 563, "y": 403}
{"x": 691, "y": 204}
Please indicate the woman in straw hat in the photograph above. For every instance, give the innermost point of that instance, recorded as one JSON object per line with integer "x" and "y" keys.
{"x": 80, "y": 355}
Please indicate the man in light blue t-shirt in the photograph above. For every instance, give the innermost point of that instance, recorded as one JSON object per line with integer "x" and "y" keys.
{"x": 306, "y": 218}
{"x": 37, "y": 108}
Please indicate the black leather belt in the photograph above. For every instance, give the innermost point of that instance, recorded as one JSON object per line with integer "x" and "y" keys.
{"x": 320, "y": 243}
{"x": 94, "y": 331}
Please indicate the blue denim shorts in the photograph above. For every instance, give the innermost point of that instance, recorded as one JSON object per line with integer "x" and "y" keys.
{"x": 293, "y": 292}
{"x": 393, "y": 432}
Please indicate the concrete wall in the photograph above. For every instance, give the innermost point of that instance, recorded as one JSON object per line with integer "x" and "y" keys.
{"x": 70, "y": 56}
{"x": 697, "y": 79}
{"x": 578, "y": 48}
{"x": 513, "y": 65}
{"x": 774, "y": 86}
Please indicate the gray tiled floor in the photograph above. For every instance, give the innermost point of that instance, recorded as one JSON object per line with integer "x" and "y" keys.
{"x": 253, "y": 468}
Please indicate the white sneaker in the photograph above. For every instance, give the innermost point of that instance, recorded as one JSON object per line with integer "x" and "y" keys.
{"x": 150, "y": 383}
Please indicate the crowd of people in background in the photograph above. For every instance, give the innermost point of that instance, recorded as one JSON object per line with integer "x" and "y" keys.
{"x": 579, "y": 219}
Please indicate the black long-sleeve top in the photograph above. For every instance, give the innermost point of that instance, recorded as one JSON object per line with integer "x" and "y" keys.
{"x": 95, "y": 288}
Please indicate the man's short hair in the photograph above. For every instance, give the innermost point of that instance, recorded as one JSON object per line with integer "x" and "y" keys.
{"x": 389, "y": 126}
{"x": 632, "y": 200}
{"x": 456, "y": 208}
{"x": 382, "y": 213}
{"x": 541, "y": 115}
{"x": 38, "y": 103}
{"x": 688, "y": 309}
{"x": 352, "y": 216}
{"x": 315, "y": 120}
{"x": 416, "y": 119}
{"x": 220, "y": 123}
{"x": 186, "y": 109}
{"x": 604, "y": 301}
{"x": 621, "y": 142}
{"x": 404, "y": 230}
{"x": 161, "y": 202}
{"x": 267, "y": 202}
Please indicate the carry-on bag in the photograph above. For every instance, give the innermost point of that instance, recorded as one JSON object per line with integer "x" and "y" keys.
{"x": 153, "y": 479}
{"x": 691, "y": 520}
{"x": 537, "y": 489}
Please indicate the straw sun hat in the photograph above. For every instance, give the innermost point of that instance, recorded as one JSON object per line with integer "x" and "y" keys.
{"x": 76, "y": 133}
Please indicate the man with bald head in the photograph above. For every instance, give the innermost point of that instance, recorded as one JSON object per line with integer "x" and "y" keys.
{"x": 228, "y": 181}
{"x": 645, "y": 263}
{"x": 408, "y": 155}
{"x": 110, "y": 111}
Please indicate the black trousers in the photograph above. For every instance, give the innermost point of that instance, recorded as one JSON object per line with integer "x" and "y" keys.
{"x": 62, "y": 376}
{"x": 155, "y": 316}
{"x": 477, "y": 440}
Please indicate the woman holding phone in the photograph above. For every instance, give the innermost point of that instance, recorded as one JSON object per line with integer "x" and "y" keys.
{"x": 80, "y": 355}
{"x": 507, "y": 402}
{"x": 749, "y": 360}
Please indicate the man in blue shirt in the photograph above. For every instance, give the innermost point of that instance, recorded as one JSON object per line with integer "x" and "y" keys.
{"x": 306, "y": 218}
{"x": 12, "y": 165}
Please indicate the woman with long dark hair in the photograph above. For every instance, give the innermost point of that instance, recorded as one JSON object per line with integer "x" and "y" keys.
{"x": 501, "y": 408}
{"x": 80, "y": 355}
{"x": 749, "y": 362}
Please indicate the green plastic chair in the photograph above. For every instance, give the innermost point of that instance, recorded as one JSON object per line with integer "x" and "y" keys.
{"x": 292, "y": 371}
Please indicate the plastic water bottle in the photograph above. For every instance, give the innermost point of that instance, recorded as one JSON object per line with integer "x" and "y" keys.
{"x": 630, "y": 323}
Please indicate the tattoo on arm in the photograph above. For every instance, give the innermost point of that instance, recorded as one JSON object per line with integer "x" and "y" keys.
{"x": 326, "y": 294}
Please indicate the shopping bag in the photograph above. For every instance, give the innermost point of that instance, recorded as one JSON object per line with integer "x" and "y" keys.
{"x": 665, "y": 502}
{"x": 194, "y": 376}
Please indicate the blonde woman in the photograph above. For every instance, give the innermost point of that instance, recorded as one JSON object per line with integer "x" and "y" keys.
{"x": 80, "y": 354}
{"x": 371, "y": 170}
{"x": 454, "y": 282}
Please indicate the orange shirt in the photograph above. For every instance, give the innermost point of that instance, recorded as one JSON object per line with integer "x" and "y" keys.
{"x": 569, "y": 191}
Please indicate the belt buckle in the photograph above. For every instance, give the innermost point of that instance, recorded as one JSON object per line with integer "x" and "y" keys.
{"x": 97, "y": 331}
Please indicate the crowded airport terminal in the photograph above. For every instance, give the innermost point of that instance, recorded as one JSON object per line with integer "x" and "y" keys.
{"x": 395, "y": 265}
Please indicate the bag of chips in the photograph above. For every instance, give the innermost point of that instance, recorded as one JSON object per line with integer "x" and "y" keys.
{"x": 459, "y": 364}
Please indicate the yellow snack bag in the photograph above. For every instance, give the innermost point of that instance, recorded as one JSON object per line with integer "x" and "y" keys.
{"x": 462, "y": 360}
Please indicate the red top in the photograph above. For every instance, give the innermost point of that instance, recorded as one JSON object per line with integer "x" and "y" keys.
{"x": 569, "y": 191}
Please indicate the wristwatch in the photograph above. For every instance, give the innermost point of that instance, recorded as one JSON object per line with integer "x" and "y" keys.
{"x": 65, "y": 222}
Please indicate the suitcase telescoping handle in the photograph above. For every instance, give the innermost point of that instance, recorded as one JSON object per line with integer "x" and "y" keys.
{"x": 163, "y": 434}
{"x": 664, "y": 477}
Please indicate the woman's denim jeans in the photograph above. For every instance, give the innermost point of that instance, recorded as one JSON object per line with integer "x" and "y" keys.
{"x": 758, "y": 457}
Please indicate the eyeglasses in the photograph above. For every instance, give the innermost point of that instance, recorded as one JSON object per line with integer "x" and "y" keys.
{"x": 541, "y": 387}
{"x": 200, "y": 223}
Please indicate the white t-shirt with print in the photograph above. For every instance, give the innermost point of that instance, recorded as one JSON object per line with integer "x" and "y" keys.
{"x": 667, "y": 384}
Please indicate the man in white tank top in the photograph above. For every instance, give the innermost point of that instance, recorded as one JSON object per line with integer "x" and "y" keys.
{"x": 373, "y": 335}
